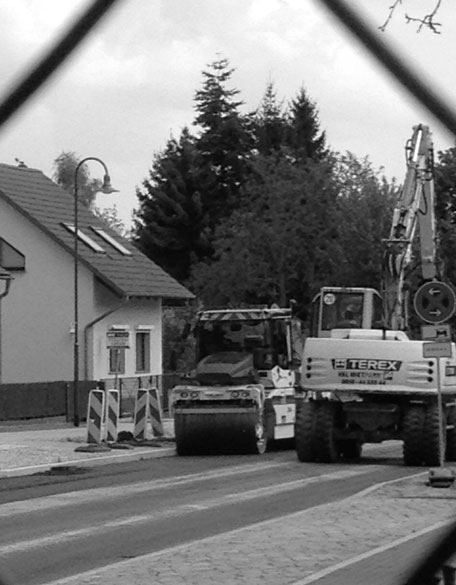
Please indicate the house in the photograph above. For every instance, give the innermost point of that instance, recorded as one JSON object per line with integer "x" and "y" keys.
{"x": 120, "y": 292}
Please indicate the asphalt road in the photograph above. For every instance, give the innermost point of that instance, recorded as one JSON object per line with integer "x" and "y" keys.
{"x": 54, "y": 527}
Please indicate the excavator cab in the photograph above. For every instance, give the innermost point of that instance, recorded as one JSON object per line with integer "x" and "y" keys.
{"x": 345, "y": 308}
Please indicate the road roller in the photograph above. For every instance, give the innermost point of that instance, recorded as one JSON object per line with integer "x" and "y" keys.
{"x": 240, "y": 398}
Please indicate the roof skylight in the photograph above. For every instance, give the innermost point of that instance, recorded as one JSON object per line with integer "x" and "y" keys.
{"x": 114, "y": 243}
{"x": 86, "y": 239}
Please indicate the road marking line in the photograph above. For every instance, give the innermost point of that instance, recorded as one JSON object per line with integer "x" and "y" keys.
{"x": 108, "y": 573}
{"x": 44, "y": 503}
{"x": 377, "y": 486}
{"x": 182, "y": 510}
{"x": 94, "y": 494}
{"x": 368, "y": 554}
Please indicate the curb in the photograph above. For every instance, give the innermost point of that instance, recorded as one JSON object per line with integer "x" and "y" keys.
{"x": 104, "y": 460}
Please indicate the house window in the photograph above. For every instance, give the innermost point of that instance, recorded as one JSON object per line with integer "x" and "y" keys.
{"x": 10, "y": 258}
{"x": 86, "y": 239}
{"x": 143, "y": 351}
{"x": 117, "y": 360}
{"x": 114, "y": 243}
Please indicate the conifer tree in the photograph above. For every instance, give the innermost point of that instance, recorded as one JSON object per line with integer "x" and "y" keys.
{"x": 304, "y": 136}
{"x": 224, "y": 142}
{"x": 270, "y": 123}
{"x": 169, "y": 226}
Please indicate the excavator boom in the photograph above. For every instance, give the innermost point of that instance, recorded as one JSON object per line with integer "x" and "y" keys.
{"x": 415, "y": 207}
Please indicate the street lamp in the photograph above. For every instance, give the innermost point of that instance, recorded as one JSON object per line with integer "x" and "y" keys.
{"x": 105, "y": 188}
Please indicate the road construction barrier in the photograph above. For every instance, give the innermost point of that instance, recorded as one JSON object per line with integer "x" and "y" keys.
{"x": 112, "y": 414}
{"x": 147, "y": 408}
{"x": 95, "y": 412}
{"x": 142, "y": 402}
{"x": 156, "y": 418}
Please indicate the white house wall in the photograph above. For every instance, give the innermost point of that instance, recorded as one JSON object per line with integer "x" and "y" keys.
{"x": 135, "y": 315}
{"x": 37, "y": 315}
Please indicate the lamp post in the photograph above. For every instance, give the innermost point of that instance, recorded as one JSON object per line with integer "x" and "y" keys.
{"x": 105, "y": 188}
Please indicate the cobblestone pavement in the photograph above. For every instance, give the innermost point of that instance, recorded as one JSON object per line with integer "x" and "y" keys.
{"x": 296, "y": 549}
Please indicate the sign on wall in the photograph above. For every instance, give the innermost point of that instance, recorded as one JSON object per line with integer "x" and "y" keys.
{"x": 116, "y": 338}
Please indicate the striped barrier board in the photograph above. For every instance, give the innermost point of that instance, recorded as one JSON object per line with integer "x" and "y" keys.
{"x": 156, "y": 413}
{"x": 142, "y": 403}
{"x": 95, "y": 412}
{"x": 112, "y": 414}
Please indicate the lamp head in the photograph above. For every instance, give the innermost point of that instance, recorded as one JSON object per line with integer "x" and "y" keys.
{"x": 107, "y": 187}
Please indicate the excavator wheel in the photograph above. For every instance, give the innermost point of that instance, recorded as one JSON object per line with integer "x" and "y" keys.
{"x": 432, "y": 436}
{"x": 305, "y": 424}
{"x": 413, "y": 435}
{"x": 219, "y": 433}
{"x": 325, "y": 443}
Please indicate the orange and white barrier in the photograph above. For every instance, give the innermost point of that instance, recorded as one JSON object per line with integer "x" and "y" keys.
{"x": 155, "y": 410}
{"x": 112, "y": 414}
{"x": 147, "y": 408}
{"x": 95, "y": 414}
{"x": 142, "y": 403}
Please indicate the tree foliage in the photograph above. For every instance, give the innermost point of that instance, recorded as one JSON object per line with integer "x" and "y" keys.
{"x": 270, "y": 124}
{"x": 304, "y": 136}
{"x": 223, "y": 144}
{"x": 170, "y": 224}
{"x": 365, "y": 204}
{"x": 445, "y": 187}
{"x": 305, "y": 226}
{"x": 65, "y": 175}
{"x": 255, "y": 209}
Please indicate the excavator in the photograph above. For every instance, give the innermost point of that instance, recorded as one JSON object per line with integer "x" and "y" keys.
{"x": 240, "y": 398}
{"x": 363, "y": 379}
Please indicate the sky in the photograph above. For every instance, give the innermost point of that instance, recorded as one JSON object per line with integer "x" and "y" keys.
{"x": 130, "y": 86}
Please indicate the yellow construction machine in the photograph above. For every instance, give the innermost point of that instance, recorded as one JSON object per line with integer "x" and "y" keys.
{"x": 241, "y": 395}
{"x": 363, "y": 380}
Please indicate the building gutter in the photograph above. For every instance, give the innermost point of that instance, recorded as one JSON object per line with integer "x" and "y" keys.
{"x": 90, "y": 325}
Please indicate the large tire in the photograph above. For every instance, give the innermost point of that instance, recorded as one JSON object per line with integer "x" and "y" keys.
{"x": 183, "y": 443}
{"x": 432, "y": 437}
{"x": 413, "y": 435}
{"x": 451, "y": 434}
{"x": 214, "y": 433}
{"x": 325, "y": 443}
{"x": 305, "y": 424}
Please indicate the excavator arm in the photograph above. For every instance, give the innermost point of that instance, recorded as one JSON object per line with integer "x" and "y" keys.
{"x": 415, "y": 207}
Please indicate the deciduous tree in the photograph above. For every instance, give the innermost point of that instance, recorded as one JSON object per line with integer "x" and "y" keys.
{"x": 64, "y": 175}
{"x": 281, "y": 245}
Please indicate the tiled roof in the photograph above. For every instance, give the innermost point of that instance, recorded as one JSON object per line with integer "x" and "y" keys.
{"x": 48, "y": 206}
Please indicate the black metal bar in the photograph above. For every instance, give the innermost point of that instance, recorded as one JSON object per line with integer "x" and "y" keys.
{"x": 40, "y": 72}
